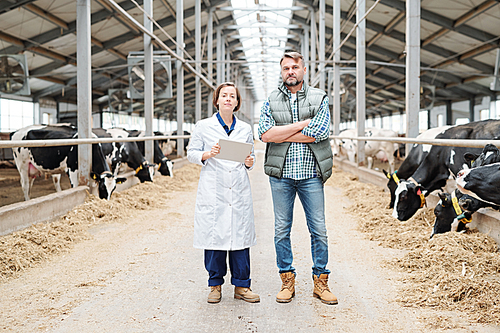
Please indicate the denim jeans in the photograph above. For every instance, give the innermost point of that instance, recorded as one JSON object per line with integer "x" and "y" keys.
{"x": 312, "y": 197}
{"x": 239, "y": 264}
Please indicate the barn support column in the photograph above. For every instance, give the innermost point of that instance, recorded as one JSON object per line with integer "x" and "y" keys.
{"x": 312, "y": 67}
{"x": 471, "y": 107}
{"x": 210, "y": 56}
{"x": 222, "y": 58}
{"x": 84, "y": 89}
{"x": 449, "y": 113}
{"x": 401, "y": 121}
{"x": 360, "y": 79}
{"x": 100, "y": 115}
{"x": 148, "y": 80}
{"x": 493, "y": 106}
{"x": 228, "y": 65}
{"x": 336, "y": 67}
{"x": 197, "y": 37}
{"x": 305, "y": 53}
{"x": 219, "y": 56}
{"x": 381, "y": 120}
{"x": 58, "y": 111}
{"x": 412, "y": 83}
{"x": 321, "y": 69}
{"x": 180, "y": 75}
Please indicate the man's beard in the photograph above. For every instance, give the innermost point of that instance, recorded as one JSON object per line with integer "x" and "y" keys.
{"x": 296, "y": 83}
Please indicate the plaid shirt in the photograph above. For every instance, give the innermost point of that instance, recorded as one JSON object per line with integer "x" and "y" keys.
{"x": 300, "y": 162}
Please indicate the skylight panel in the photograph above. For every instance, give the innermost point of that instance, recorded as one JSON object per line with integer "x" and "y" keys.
{"x": 263, "y": 41}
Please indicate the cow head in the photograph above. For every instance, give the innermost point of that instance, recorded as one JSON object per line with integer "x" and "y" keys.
{"x": 334, "y": 144}
{"x": 409, "y": 198}
{"x": 489, "y": 155}
{"x": 446, "y": 216}
{"x": 166, "y": 167}
{"x": 349, "y": 148}
{"x": 392, "y": 185}
{"x": 466, "y": 202}
{"x": 106, "y": 183}
{"x": 145, "y": 172}
{"x": 481, "y": 183}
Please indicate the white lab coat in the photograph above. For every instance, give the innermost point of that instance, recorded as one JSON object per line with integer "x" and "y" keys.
{"x": 223, "y": 218}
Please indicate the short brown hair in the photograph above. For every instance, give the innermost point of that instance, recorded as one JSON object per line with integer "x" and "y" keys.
{"x": 294, "y": 55}
{"x": 217, "y": 93}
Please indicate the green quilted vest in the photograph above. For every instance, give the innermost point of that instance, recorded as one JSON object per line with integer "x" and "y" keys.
{"x": 309, "y": 101}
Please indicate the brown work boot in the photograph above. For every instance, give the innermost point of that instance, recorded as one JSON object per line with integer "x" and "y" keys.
{"x": 322, "y": 291}
{"x": 215, "y": 294}
{"x": 287, "y": 288}
{"x": 246, "y": 294}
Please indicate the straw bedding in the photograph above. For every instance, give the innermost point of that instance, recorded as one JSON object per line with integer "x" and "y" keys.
{"x": 452, "y": 271}
{"x": 39, "y": 242}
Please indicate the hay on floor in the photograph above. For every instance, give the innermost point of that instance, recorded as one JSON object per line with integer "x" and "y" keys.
{"x": 452, "y": 271}
{"x": 29, "y": 247}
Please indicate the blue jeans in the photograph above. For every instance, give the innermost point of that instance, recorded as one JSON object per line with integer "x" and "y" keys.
{"x": 312, "y": 197}
{"x": 239, "y": 264}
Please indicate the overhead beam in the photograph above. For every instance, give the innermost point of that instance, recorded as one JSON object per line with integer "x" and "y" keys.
{"x": 46, "y": 15}
{"x": 6, "y": 6}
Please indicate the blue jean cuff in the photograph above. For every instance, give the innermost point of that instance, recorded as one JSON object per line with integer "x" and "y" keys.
{"x": 327, "y": 272}
{"x": 241, "y": 283}
{"x": 215, "y": 282}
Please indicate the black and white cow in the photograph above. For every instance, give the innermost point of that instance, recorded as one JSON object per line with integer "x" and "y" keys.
{"x": 165, "y": 165}
{"x": 166, "y": 146}
{"x": 117, "y": 153}
{"x": 186, "y": 140}
{"x": 482, "y": 183}
{"x": 482, "y": 180}
{"x": 435, "y": 169}
{"x": 450, "y": 216}
{"x": 490, "y": 155}
{"x": 34, "y": 161}
{"x": 417, "y": 154}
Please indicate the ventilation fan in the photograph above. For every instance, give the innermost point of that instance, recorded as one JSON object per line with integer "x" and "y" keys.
{"x": 119, "y": 101}
{"x": 162, "y": 78}
{"x": 14, "y": 74}
{"x": 348, "y": 89}
{"x": 347, "y": 85}
{"x": 427, "y": 96}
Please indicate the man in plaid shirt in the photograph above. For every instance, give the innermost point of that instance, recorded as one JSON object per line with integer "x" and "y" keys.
{"x": 295, "y": 124}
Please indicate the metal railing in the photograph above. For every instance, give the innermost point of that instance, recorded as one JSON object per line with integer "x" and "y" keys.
{"x": 69, "y": 142}
{"x": 470, "y": 143}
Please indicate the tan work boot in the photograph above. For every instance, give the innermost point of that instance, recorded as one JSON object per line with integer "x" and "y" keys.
{"x": 246, "y": 294}
{"x": 322, "y": 291}
{"x": 215, "y": 294}
{"x": 287, "y": 288}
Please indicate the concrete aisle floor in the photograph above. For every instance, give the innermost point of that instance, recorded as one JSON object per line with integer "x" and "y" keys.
{"x": 144, "y": 275}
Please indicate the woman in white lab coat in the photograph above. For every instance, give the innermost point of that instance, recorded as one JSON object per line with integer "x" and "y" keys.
{"x": 224, "y": 220}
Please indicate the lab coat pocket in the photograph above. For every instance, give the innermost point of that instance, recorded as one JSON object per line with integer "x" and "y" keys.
{"x": 206, "y": 195}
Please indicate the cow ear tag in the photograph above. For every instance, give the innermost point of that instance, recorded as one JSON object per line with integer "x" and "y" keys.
{"x": 419, "y": 192}
{"x": 94, "y": 176}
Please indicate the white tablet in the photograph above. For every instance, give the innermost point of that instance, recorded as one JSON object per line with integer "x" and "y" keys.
{"x": 234, "y": 150}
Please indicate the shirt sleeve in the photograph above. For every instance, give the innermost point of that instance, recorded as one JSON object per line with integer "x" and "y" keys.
{"x": 266, "y": 120}
{"x": 319, "y": 127}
